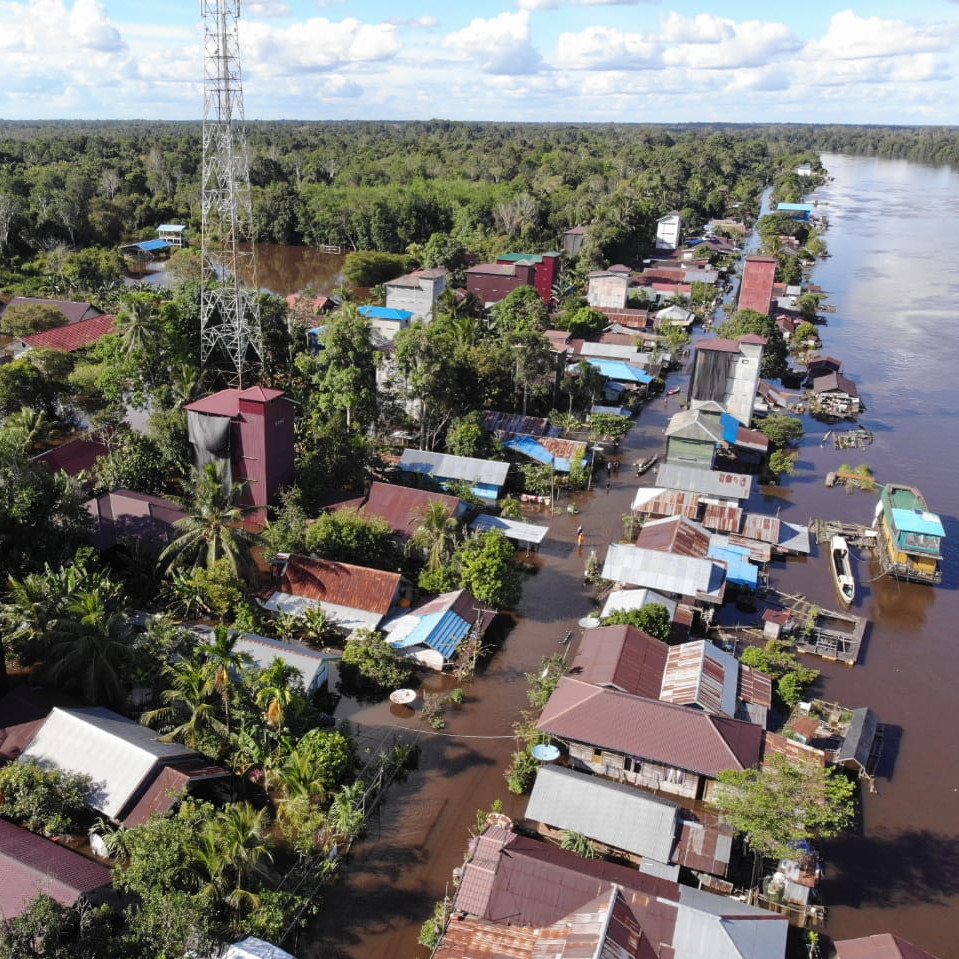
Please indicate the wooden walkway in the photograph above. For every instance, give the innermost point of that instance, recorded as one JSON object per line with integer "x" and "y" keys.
{"x": 862, "y": 537}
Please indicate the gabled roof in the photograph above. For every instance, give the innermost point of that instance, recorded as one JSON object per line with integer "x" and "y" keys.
{"x": 123, "y": 514}
{"x": 516, "y": 423}
{"x": 72, "y": 311}
{"x": 441, "y": 623}
{"x": 385, "y": 313}
{"x": 674, "y": 534}
{"x": 622, "y": 657}
{"x": 519, "y": 532}
{"x": 32, "y": 865}
{"x": 699, "y": 674}
{"x": 733, "y": 929}
{"x": 548, "y": 450}
{"x": 73, "y": 457}
{"x": 118, "y": 754}
{"x": 655, "y": 501}
{"x": 834, "y": 383}
{"x": 341, "y": 584}
{"x": 648, "y": 729}
{"x": 227, "y": 402}
{"x": 448, "y": 467}
{"x": 881, "y": 946}
{"x": 706, "y": 482}
{"x": 73, "y": 336}
{"x": 264, "y": 651}
{"x": 636, "y": 599}
{"x": 611, "y": 813}
{"x": 665, "y": 572}
{"x": 619, "y": 371}
{"x": 401, "y": 506}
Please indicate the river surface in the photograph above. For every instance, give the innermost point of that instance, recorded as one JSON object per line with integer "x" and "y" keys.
{"x": 893, "y": 278}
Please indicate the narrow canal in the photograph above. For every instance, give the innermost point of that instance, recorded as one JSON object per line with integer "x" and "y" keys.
{"x": 892, "y": 278}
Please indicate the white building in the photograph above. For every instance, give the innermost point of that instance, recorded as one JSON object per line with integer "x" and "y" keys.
{"x": 416, "y": 292}
{"x": 668, "y": 231}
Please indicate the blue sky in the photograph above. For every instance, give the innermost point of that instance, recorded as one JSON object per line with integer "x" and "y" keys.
{"x": 536, "y": 60}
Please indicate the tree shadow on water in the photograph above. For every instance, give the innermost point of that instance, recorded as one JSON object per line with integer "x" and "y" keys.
{"x": 892, "y": 869}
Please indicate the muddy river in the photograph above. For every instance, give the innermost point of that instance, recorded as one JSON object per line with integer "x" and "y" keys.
{"x": 893, "y": 278}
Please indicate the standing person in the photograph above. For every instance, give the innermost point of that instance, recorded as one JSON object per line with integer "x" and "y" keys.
{"x": 616, "y": 466}
{"x": 580, "y": 539}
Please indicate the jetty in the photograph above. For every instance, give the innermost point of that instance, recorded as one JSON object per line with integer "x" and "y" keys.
{"x": 855, "y": 439}
{"x": 855, "y": 534}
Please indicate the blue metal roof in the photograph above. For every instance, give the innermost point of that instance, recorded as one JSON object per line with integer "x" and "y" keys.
{"x": 528, "y": 446}
{"x": 442, "y": 631}
{"x": 382, "y": 313}
{"x": 796, "y": 207}
{"x": 619, "y": 370}
{"x": 738, "y": 568}
{"x": 151, "y": 246}
{"x": 171, "y": 227}
{"x": 916, "y": 521}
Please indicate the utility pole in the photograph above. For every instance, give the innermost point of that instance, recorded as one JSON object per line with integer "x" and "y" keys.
{"x": 230, "y": 335}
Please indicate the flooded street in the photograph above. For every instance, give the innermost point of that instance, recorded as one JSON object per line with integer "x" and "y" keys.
{"x": 892, "y": 278}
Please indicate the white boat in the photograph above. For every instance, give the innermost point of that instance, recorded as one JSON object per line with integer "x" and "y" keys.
{"x": 842, "y": 569}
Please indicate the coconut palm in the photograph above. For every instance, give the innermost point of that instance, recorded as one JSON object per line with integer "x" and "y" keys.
{"x": 90, "y": 648}
{"x": 211, "y": 529}
{"x": 35, "y": 428}
{"x": 302, "y": 778}
{"x": 435, "y": 533}
{"x": 189, "y": 714}
{"x": 223, "y": 665}
{"x": 275, "y": 691}
{"x": 137, "y": 322}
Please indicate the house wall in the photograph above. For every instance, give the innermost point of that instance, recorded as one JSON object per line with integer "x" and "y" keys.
{"x": 686, "y": 452}
{"x": 419, "y": 301}
{"x": 262, "y": 449}
{"x": 667, "y": 232}
{"x": 493, "y": 287}
{"x": 607, "y": 291}
{"x": 637, "y": 772}
{"x": 745, "y": 383}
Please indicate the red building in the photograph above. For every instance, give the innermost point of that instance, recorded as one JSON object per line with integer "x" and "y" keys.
{"x": 545, "y": 269}
{"x": 251, "y": 431}
{"x": 756, "y": 291}
{"x": 492, "y": 282}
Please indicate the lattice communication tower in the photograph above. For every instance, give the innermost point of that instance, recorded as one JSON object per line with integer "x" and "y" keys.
{"x": 230, "y": 331}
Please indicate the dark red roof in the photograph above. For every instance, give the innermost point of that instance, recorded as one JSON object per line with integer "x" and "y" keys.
{"x": 759, "y": 274}
{"x": 356, "y": 587}
{"x": 169, "y": 785}
{"x": 125, "y": 515}
{"x": 32, "y": 865}
{"x": 73, "y": 457}
{"x": 227, "y": 402}
{"x": 621, "y": 656}
{"x": 720, "y": 344}
{"x": 882, "y": 946}
{"x": 675, "y": 534}
{"x": 22, "y": 713}
{"x": 401, "y": 506}
{"x": 73, "y": 312}
{"x": 73, "y": 336}
{"x": 662, "y": 732}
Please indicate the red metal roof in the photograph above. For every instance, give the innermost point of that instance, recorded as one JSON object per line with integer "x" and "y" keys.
{"x": 73, "y": 336}
{"x": 623, "y": 657}
{"x": 73, "y": 457}
{"x": 124, "y": 514}
{"x": 401, "y": 506}
{"x": 882, "y": 946}
{"x": 719, "y": 344}
{"x": 227, "y": 402}
{"x": 32, "y": 865}
{"x": 759, "y": 274}
{"x": 166, "y": 789}
{"x": 675, "y": 534}
{"x": 356, "y": 587}
{"x": 648, "y": 729}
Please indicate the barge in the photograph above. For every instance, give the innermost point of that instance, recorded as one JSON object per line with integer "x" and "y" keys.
{"x": 910, "y": 536}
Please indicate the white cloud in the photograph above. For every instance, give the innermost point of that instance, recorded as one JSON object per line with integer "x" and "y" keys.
{"x": 556, "y": 4}
{"x": 266, "y": 8}
{"x": 422, "y": 23}
{"x": 717, "y": 43}
{"x": 851, "y": 37}
{"x": 316, "y": 44}
{"x": 500, "y": 45}
{"x": 602, "y": 48}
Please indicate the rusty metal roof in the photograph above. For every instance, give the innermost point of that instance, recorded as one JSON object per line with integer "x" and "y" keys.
{"x": 793, "y": 750}
{"x": 674, "y": 534}
{"x": 402, "y": 506}
{"x": 706, "y": 482}
{"x": 623, "y": 657}
{"x": 341, "y": 584}
{"x": 496, "y": 422}
{"x": 655, "y": 501}
{"x": 700, "y": 674}
{"x": 648, "y": 729}
{"x": 469, "y": 938}
{"x": 704, "y": 844}
{"x": 761, "y": 527}
{"x": 726, "y": 519}
{"x": 755, "y": 686}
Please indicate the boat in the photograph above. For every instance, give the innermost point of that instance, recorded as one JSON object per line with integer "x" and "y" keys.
{"x": 910, "y": 536}
{"x": 673, "y": 391}
{"x": 842, "y": 569}
{"x": 643, "y": 466}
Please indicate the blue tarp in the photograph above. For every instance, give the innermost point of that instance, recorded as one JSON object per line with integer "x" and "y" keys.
{"x": 738, "y": 568}
{"x": 442, "y": 631}
{"x": 382, "y": 313}
{"x": 730, "y": 427}
{"x": 796, "y": 207}
{"x": 536, "y": 451}
{"x": 619, "y": 370}
{"x": 914, "y": 521}
{"x": 152, "y": 246}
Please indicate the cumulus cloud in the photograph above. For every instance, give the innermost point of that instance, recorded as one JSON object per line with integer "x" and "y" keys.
{"x": 421, "y": 23}
{"x": 717, "y": 43}
{"x": 851, "y": 37}
{"x": 500, "y": 45}
{"x": 312, "y": 45}
{"x": 602, "y": 48}
{"x": 556, "y": 4}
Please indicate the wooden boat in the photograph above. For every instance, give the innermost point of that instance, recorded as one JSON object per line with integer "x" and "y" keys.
{"x": 842, "y": 569}
{"x": 643, "y": 466}
{"x": 673, "y": 391}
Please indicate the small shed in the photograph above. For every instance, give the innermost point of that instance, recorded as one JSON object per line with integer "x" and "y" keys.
{"x": 527, "y": 534}
{"x": 173, "y": 234}
{"x": 485, "y": 478}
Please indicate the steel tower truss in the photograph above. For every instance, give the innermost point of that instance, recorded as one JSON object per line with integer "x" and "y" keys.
{"x": 230, "y": 331}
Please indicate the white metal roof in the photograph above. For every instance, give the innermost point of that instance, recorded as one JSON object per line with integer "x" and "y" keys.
{"x": 253, "y": 948}
{"x": 116, "y": 753}
{"x": 617, "y": 815}
{"x": 511, "y": 528}
{"x": 636, "y": 599}
{"x": 342, "y": 617}
{"x": 263, "y": 651}
{"x": 664, "y": 572}
{"x": 721, "y": 928}
{"x": 447, "y": 466}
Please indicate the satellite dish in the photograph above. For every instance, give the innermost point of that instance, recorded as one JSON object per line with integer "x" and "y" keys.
{"x": 402, "y": 697}
{"x": 545, "y": 752}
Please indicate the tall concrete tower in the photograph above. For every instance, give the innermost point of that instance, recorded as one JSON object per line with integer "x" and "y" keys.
{"x": 230, "y": 335}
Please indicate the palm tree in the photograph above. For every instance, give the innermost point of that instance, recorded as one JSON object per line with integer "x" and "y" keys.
{"x": 223, "y": 664}
{"x": 435, "y": 533}
{"x": 346, "y": 817}
{"x": 274, "y": 691}
{"x": 211, "y": 530}
{"x": 189, "y": 714}
{"x": 34, "y": 426}
{"x": 90, "y": 648}
{"x": 137, "y": 323}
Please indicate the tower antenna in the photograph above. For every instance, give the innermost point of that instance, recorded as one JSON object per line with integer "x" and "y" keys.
{"x": 230, "y": 334}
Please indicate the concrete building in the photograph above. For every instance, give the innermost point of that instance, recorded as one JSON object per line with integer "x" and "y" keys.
{"x": 417, "y": 292}
{"x": 727, "y": 372}
{"x": 669, "y": 231}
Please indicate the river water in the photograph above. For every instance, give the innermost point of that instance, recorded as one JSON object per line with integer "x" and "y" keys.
{"x": 892, "y": 278}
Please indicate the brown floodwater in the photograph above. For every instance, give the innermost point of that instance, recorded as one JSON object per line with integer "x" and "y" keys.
{"x": 289, "y": 269}
{"x": 892, "y": 278}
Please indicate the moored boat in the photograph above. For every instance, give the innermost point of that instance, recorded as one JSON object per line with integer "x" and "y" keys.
{"x": 643, "y": 466}
{"x": 910, "y": 536}
{"x": 842, "y": 569}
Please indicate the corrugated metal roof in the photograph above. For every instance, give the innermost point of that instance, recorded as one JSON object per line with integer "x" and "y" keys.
{"x": 665, "y": 572}
{"x": 766, "y": 529}
{"x": 72, "y": 311}
{"x": 444, "y": 466}
{"x": 385, "y": 313}
{"x": 73, "y": 336}
{"x": 516, "y": 423}
{"x": 704, "y": 846}
{"x": 699, "y": 674}
{"x": 227, "y": 402}
{"x": 648, "y": 729}
{"x": 440, "y": 623}
{"x": 693, "y": 425}
{"x": 472, "y": 938}
{"x": 620, "y": 371}
{"x": 747, "y": 932}
{"x": 32, "y": 865}
{"x": 881, "y": 946}
{"x": 476, "y": 885}
{"x": 705, "y": 482}
{"x": 739, "y": 569}
{"x": 795, "y": 539}
{"x": 619, "y": 816}
{"x": 755, "y": 686}
{"x": 758, "y": 552}
{"x": 834, "y": 383}
{"x": 511, "y": 528}
{"x": 793, "y": 750}
{"x": 656, "y": 501}
{"x": 636, "y": 599}
{"x": 341, "y": 584}
{"x": 116, "y": 753}
{"x": 402, "y": 506}
{"x": 73, "y": 457}
{"x": 623, "y": 657}
{"x": 860, "y": 736}
{"x": 726, "y": 519}
{"x": 264, "y": 651}
{"x": 674, "y": 534}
